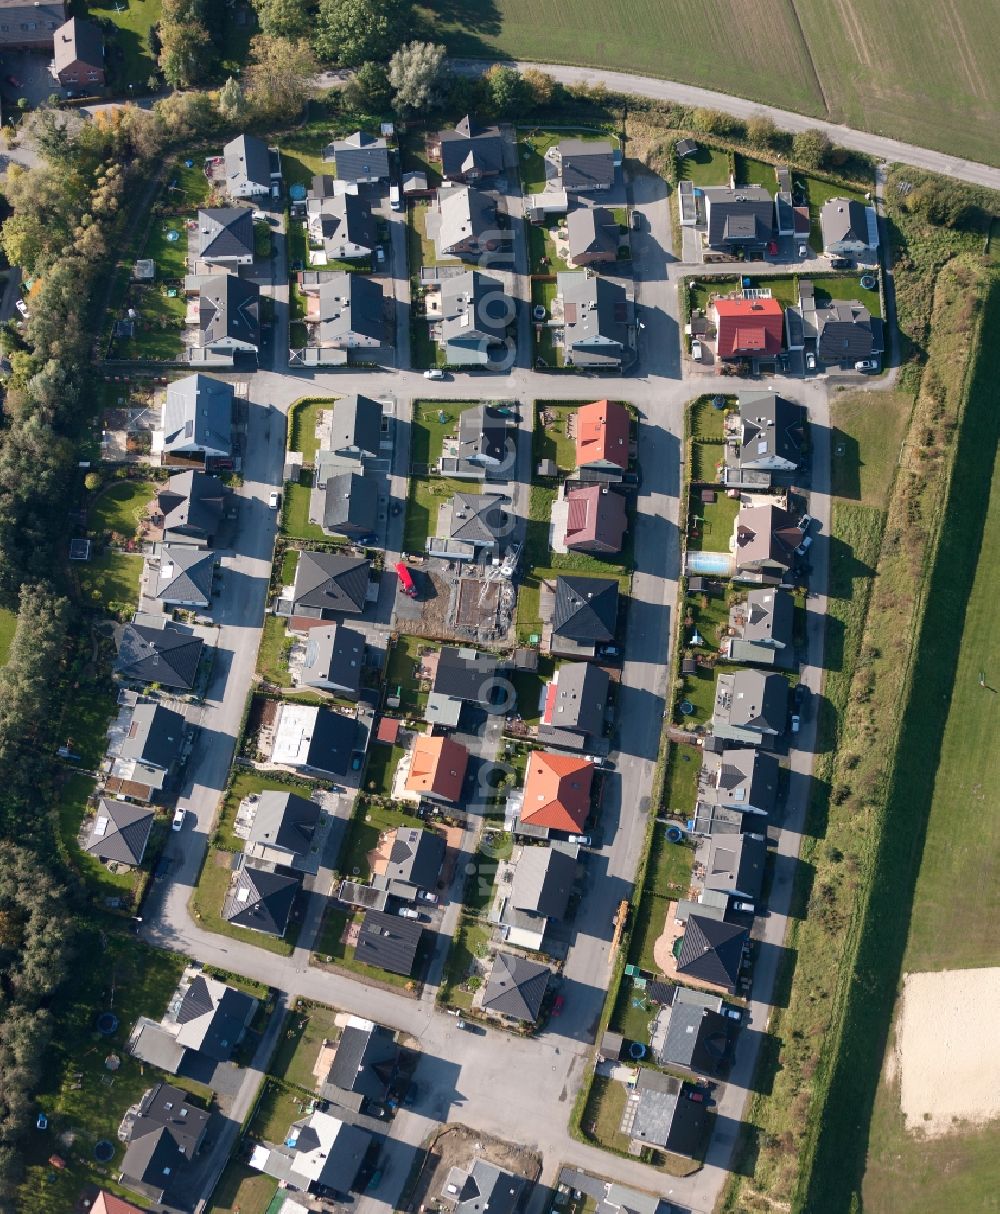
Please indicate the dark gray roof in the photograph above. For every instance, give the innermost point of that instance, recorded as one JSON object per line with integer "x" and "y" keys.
{"x": 543, "y": 881}
{"x": 155, "y": 735}
{"x": 595, "y": 312}
{"x": 664, "y": 1117}
{"x": 516, "y": 987}
{"x": 740, "y": 216}
{"x": 743, "y": 777}
{"x": 476, "y": 517}
{"x": 475, "y": 315}
{"x": 120, "y": 832}
{"x": 192, "y": 504}
{"x": 697, "y": 1035}
{"x": 357, "y": 420}
{"x": 586, "y": 609}
{"x": 736, "y": 864}
{"x": 328, "y": 581}
{"x": 351, "y": 504}
{"x": 218, "y": 1014}
{"x": 847, "y": 332}
{"x": 352, "y": 304}
{"x": 336, "y": 655}
{"x": 225, "y": 232}
{"x": 261, "y": 900}
{"x": 471, "y": 149}
{"x": 247, "y": 162}
{"x": 466, "y": 674}
{"x": 388, "y": 942}
{"x": 591, "y": 230}
{"x": 769, "y": 617}
{"x": 158, "y": 655}
{"x": 753, "y": 699}
{"x": 711, "y": 951}
{"x": 361, "y": 157}
{"x": 466, "y": 215}
{"x": 198, "y": 413}
{"x": 344, "y": 218}
{"x": 284, "y": 820}
{"x": 229, "y": 310}
{"x": 165, "y": 1136}
{"x": 333, "y": 742}
{"x": 78, "y": 41}
{"x": 581, "y": 698}
{"x": 772, "y": 426}
{"x": 587, "y": 164}
{"x": 482, "y": 434}
{"x": 185, "y": 575}
{"x": 487, "y": 1187}
{"x": 415, "y": 858}
{"x": 365, "y": 1061}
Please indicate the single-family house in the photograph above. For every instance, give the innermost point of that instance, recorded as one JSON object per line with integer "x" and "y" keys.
{"x": 351, "y": 505}
{"x": 470, "y": 527}
{"x": 78, "y": 55}
{"x": 712, "y": 951}
{"x": 225, "y": 236}
{"x": 596, "y": 519}
{"x": 361, "y": 158}
{"x": 145, "y": 747}
{"x": 765, "y": 539}
{"x": 593, "y": 236}
{"x": 313, "y": 739}
{"x": 27, "y": 26}
{"x": 594, "y": 315}
{"x": 740, "y": 218}
{"x": 482, "y": 447}
{"x": 462, "y": 676}
{"x": 847, "y": 333}
{"x": 584, "y": 616}
{"x": 582, "y": 166}
{"x": 365, "y": 1066}
{"x": 481, "y": 1187}
{"x": 251, "y": 167}
{"x": 319, "y": 1154}
{"x": 476, "y": 313}
{"x": 437, "y": 769}
{"x": 167, "y": 656}
{"x": 748, "y": 327}
{"x": 331, "y": 659}
{"x": 762, "y": 629}
{"x": 191, "y": 505}
{"x": 180, "y": 576}
{"x": 602, "y": 439}
{"x": 745, "y": 780}
{"x": 164, "y": 1133}
{"x": 108, "y": 1203}
{"x": 575, "y": 705}
{"x": 471, "y": 151}
{"x": 204, "y": 1022}
{"x": 389, "y": 942}
{"x": 849, "y": 227}
{"x": 197, "y": 422}
{"x": 462, "y": 222}
{"x": 328, "y": 584}
{"x": 119, "y": 832}
{"x": 665, "y": 1118}
{"x": 343, "y": 312}
{"x": 283, "y": 830}
{"x": 355, "y": 425}
{"x": 557, "y": 790}
{"x": 539, "y": 894}
{"x": 768, "y": 443}
{"x": 228, "y": 321}
{"x": 261, "y": 899}
{"x": 340, "y": 223}
{"x": 694, "y": 1035}
{"x": 515, "y": 988}
{"x": 733, "y": 863}
{"x": 750, "y": 706}
{"x": 414, "y": 862}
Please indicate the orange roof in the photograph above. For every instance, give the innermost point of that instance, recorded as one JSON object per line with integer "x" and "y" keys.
{"x": 748, "y": 326}
{"x": 107, "y": 1203}
{"x": 437, "y": 767}
{"x": 602, "y": 434}
{"x": 557, "y": 791}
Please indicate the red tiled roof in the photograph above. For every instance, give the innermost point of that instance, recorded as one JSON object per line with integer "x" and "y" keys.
{"x": 438, "y": 766}
{"x": 748, "y": 326}
{"x": 557, "y": 791}
{"x": 602, "y": 434}
{"x": 388, "y": 730}
{"x": 595, "y": 516}
{"x": 107, "y": 1203}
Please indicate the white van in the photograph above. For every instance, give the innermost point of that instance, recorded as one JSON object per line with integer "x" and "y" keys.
{"x": 395, "y": 198}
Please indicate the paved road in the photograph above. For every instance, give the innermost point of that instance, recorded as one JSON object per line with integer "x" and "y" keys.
{"x": 878, "y": 146}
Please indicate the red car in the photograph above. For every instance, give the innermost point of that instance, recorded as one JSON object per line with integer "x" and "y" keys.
{"x": 772, "y": 248}
{"x": 558, "y": 1004}
{"x": 696, "y": 1095}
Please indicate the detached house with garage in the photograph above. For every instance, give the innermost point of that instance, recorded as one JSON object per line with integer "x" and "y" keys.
{"x": 78, "y": 55}
{"x": 584, "y": 616}
{"x": 765, "y": 539}
{"x": 582, "y": 166}
{"x": 360, "y": 158}
{"x": 750, "y": 707}
{"x": 462, "y": 222}
{"x": 767, "y": 443}
{"x": 328, "y": 584}
{"x": 593, "y": 236}
{"x": 602, "y": 440}
{"x": 748, "y": 327}
{"x": 226, "y": 321}
{"x": 596, "y": 519}
{"x": 469, "y": 152}
{"x": 225, "y": 236}
{"x": 557, "y": 790}
{"x": 761, "y": 629}
{"x": 739, "y": 219}
{"x": 345, "y": 315}
{"x": 593, "y": 316}
{"x": 849, "y": 227}
{"x": 196, "y": 427}
{"x": 251, "y": 168}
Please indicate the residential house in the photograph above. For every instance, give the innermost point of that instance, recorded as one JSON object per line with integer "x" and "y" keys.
{"x": 481, "y": 1187}
{"x": 365, "y": 1066}
{"x": 596, "y": 519}
{"x": 78, "y": 55}
{"x": 742, "y": 780}
{"x": 414, "y": 864}
{"x": 283, "y": 831}
{"x": 351, "y": 506}
{"x": 145, "y": 748}
{"x": 314, "y": 740}
{"x": 331, "y": 659}
{"x": 557, "y": 790}
{"x": 167, "y": 656}
{"x": 748, "y": 327}
{"x": 225, "y": 236}
{"x": 475, "y": 316}
{"x": 539, "y": 895}
{"x": 437, "y": 769}
{"x": 665, "y": 1118}
{"x": 750, "y": 706}
{"x": 107, "y": 1203}
{"x": 252, "y": 169}
{"x": 180, "y": 577}
{"x": 482, "y": 447}
{"x": 539, "y": 207}
{"x": 515, "y": 988}
{"x": 340, "y": 224}
{"x": 328, "y": 584}
{"x": 355, "y": 424}
{"x": 261, "y": 899}
{"x": 228, "y": 321}
{"x": 768, "y": 443}
{"x": 204, "y": 1023}
{"x": 575, "y": 706}
{"x": 593, "y": 236}
{"x": 847, "y": 333}
{"x": 462, "y": 222}
{"x": 470, "y": 527}
{"x": 319, "y": 1154}
{"x": 740, "y": 218}
{"x": 595, "y": 315}
{"x": 361, "y": 158}
{"x": 197, "y": 422}
{"x": 164, "y": 1133}
{"x": 849, "y": 227}
{"x": 712, "y": 951}
{"x": 762, "y": 629}
{"x": 765, "y": 539}
{"x": 27, "y": 26}
{"x": 389, "y": 942}
{"x": 696, "y": 1036}
{"x": 119, "y": 832}
{"x": 582, "y": 166}
{"x": 471, "y": 151}
{"x": 344, "y": 312}
{"x": 462, "y": 676}
{"x": 733, "y": 864}
{"x": 192, "y": 505}
{"x": 602, "y": 439}
{"x": 585, "y": 615}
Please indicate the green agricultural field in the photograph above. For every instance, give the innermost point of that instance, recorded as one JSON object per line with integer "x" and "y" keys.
{"x": 866, "y": 63}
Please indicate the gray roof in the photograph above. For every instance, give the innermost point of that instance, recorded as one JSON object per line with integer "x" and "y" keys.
{"x": 213, "y": 1017}
{"x": 320, "y": 1157}
{"x": 192, "y": 504}
{"x": 334, "y": 655}
{"x": 260, "y": 899}
{"x": 697, "y": 1034}
{"x": 283, "y": 820}
{"x": 329, "y": 581}
{"x": 592, "y": 230}
{"x": 248, "y": 163}
{"x": 154, "y": 737}
{"x": 735, "y": 864}
{"x": 595, "y": 318}
{"x": 365, "y": 1061}
{"x": 164, "y": 1137}
{"x": 476, "y": 518}
{"x": 225, "y": 233}
{"x": 351, "y": 305}
{"x": 119, "y": 831}
{"x": 30, "y": 24}
{"x": 847, "y": 332}
{"x": 360, "y": 157}
{"x": 471, "y": 149}
{"x": 843, "y": 219}
{"x": 465, "y": 213}
{"x": 78, "y": 42}
{"x": 581, "y": 698}
{"x": 229, "y": 310}
{"x": 198, "y": 413}
{"x": 389, "y": 942}
{"x": 771, "y": 429}
{"x": 664, "y": 1117}
{"x": 586, "y": 609}
{"x": 482, "y": 434}
{"x": 769, "y": 617}
{"x": 543, "y": 881}
{"x": 166, "y": 656}
{"x": 516, "y": 987}
{"x": 740, "y": 216}
{"x": 712, "y": 950}
{"x": 357, "y": 420}
{"x": 745, "y": 777}
{"x": 185, "y": 575}
{"x": 475, "y": 315}
{"x": 340, "y": 218}
{"x": 752, "y": 699}
{"x": 465, "y": 674}
{"x": 351, "y": 504}
{"x": 586, "y": 164}
{"x": 415, "y": 858}
{"x": 487, "y": 1187}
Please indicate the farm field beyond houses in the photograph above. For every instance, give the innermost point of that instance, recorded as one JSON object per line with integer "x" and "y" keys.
{"x": 866, "y": 64}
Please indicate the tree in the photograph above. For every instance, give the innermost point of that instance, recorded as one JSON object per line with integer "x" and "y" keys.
{"x": 710, "y": 122}
{"x": 540, "y": 85}
{"x": 283, "y": 18}
{"x": 277, "y": 80}
{"x": 354, "y": 31}
{"x": 508, "y": 92}
{"x": 23, "y": 237}
{"x": 368, "y": 88}
{"x": 92, "y": 481}
{"x": 184, "y": 53}
{"x": 232, "y": 103}
{"x": 761, "y": 131}
{"x": 416, "y": 72}
{"x": 809, "y": 148}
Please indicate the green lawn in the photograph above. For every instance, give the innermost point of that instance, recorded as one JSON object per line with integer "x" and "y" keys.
{"x": 528, "y": 685}
{"x": 158, "y": 326}
{"x": 470, "y": 942}
{"x": 421, "y": 250}
{"x": 546, "y": 352}
{"x": 302, "y": 419}
{"x": 295, "y": 513}
{"x": 532, "y": 147}
{"x": 112, "y": 577}
{"x": 209, "y": 895}
{"x": 121, "y": 507}
{"x": 668, "y": 872}
{"x": 432, "y": 422}
{"x": 85, "y": 717}
{"x": 552, "y": 441}
{"x": 401, "y": 672}
{"x": 707, "y": 422}
{"x": 8, "y": 626}
{"x": 170, "y": 255}
{"x": 845, "y": 286}
{"x": 302, "y": 157}
{"x": 542, "y": 255}
{"x": 427, "y": 495}
{"x": 649, "y": 918}
{"x": 369, "y": 823}
{"x": 868, "y": 428}
{"x": 289, "y": 564}
{"x": 710, "y": 524}
{"x": 133, "y": 20}
{"x": 681, "y": 787}
{"x": 242, "y": 1190}
{"x": 603, "y": 1114}
{"x": 278, "y": 1108}
{"x": 382, "y": 763}
{"x": 329, "y": 946}
{"x": 307, "y": 1027}
{"x": 755, "y": 172}
{"x": 272, "y": 657}
{"x": 708, "y": 166}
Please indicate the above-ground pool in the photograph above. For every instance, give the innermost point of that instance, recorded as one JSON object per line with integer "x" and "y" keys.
{"x": 710, "y": 562}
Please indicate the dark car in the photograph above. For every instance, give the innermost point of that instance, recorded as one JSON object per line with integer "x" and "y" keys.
{"x": 800, "y": 697}
{"x": 636, "y": 221}
{"x": 840, "y": 263}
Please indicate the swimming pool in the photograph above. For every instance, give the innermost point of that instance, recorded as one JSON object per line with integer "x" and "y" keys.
{"x": 711, "y": 562}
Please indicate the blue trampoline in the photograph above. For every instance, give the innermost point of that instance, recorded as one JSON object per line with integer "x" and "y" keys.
{"x": 297, "y": 192}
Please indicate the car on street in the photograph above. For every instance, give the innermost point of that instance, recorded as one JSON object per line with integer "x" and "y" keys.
{"x": 179, "y": 816}
{"x": 434, "y": 373}
{"x": 796, "y": 722}
{"x": 274, "y": 500}
{"x": 866, "y": 364}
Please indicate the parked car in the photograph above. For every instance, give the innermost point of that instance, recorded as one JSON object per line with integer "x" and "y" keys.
{"x": 840, "y": 263}
{"x": 637, "y": 221}
{"x": 697, "y": 1095}
{"x": 583, "y": 840}
{"x": 810, "y": 362}
{"x": 274, "y": 500}
{"x": 179, "y": 816}
{"x": 434, "y": 373}
{"x": 745, "y": 908}
{"x": 805, "y": 522}
{"x": 800, "y": 697}
{"x": 732, "y": 1013}
{"x": 395, "y": 198}
{"x": 375, "y": 1181}
{"x": 803, "y": 250}
{"x": 772, "y": 248}
{"x": 22, "y": 307}
{"x": 804, "y": 547}
{"x": 866, "y": 364}
{"x": 696, "y": 351}
{"x": 425, "y": 895}
{"x": 796, "y": 722}
{"x": 380, "y": 255}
